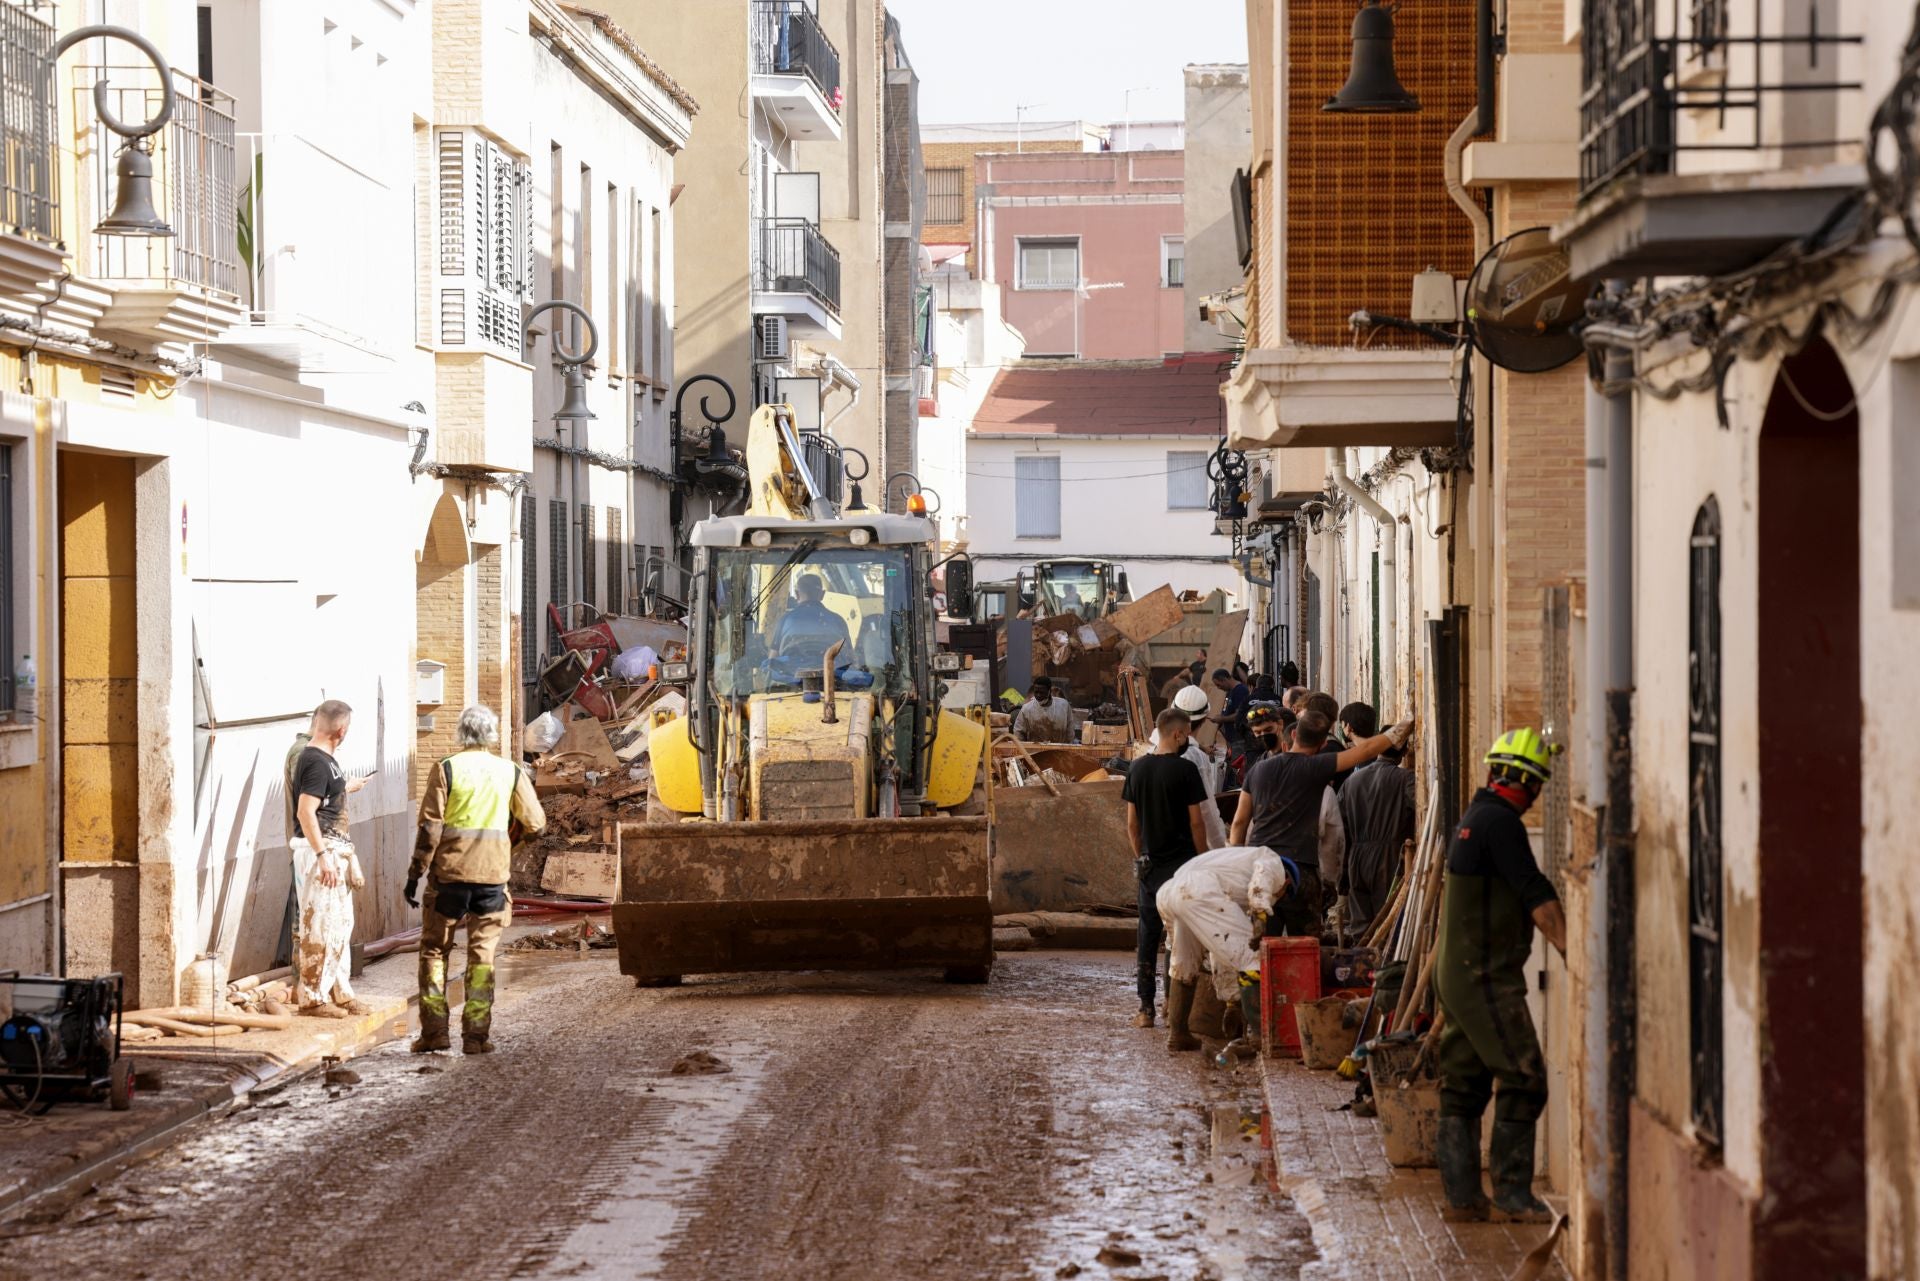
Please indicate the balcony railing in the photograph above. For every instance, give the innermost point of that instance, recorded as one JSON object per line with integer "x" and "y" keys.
{"x": 195, "y": 187}
{"x": 1658, "y": 86}
{"x": 795, "y": 258}
{"x": 788, "y": 41}
{"x": 29, "y": 202}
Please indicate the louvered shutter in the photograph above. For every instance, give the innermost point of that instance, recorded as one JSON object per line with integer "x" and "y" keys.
{"x": 486, "y": 245}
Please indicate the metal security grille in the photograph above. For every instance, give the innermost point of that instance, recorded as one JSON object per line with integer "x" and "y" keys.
{"x": 616, "y": 570}
{"x": 1556, "y": 640}
{"x": 945, "y": 197}
{"x": 195, "y": 181}
{"x": 1704, "y": 933}
{"x": 1366, "y": 204}
{"x": 557, "y": 534}
{"x": 1775, "y": 83}
{"x": 27, "y": 182}
{"x": 529, "y": 589}
{"x": 589, "y": 579}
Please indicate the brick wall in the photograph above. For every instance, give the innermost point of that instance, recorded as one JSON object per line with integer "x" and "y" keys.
{"x": 1540, "y": 465}
{"x": 440, "y": 622}
{"x": 490, "y": 609}
{"x": 959, "y": 155}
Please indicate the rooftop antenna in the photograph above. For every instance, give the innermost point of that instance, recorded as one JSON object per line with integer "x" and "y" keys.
{"x": 1020, "y": 109}
{"x": 1126, "y": 112}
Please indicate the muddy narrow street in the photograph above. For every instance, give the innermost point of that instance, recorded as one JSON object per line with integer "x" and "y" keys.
{"x": 865, "y": 1127}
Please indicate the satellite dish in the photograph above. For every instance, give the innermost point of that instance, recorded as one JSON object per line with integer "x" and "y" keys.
{"x": 1523, "y": 304}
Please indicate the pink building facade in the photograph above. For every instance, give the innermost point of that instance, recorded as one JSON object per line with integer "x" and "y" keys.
{"x": 1087, "y": 248}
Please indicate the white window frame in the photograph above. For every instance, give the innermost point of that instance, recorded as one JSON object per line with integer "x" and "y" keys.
{"x": 1025, "y": 462}
{"x": 1181, "y": 462}
{"x": 1020, "y": 245}
{"x": 1167, "y": 260}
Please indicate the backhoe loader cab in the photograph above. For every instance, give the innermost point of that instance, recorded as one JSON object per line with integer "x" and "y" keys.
{"x": 1090, "y": 588}
{"x": 815, "y": 808}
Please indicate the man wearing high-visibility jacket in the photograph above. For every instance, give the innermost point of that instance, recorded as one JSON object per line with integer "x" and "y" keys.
{"x": 465, "y": 851}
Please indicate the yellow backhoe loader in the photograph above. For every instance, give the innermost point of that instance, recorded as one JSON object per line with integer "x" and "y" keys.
{"x": 815, "y": 808}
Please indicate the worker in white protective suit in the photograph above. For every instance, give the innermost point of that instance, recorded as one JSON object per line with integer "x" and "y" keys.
{"x": 1193, "y": 701}
{"x": 1217, "y": 906}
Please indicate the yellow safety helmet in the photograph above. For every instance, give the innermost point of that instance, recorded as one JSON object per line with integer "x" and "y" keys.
{"x": 1524, "y": 751}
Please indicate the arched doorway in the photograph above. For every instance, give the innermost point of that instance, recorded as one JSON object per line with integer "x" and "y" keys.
{"x": 442, "y": 631}
{"x": 1811, "y": 1220}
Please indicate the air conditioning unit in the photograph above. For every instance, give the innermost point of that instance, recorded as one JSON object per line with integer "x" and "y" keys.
{"x": 773, "y": 340}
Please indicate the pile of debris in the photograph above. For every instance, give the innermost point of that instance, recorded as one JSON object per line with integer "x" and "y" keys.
{"x": 590, "y": 776}
{"x": 581, "y": 936}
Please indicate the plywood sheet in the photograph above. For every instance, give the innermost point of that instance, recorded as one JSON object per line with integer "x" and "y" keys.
{"x": 1146, "y": 618}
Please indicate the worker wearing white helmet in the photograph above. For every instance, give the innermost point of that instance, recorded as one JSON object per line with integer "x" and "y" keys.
{"x": 1193, "y": 701}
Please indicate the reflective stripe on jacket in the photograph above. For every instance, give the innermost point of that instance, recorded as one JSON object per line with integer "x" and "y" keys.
{"x": 464, "y": 816}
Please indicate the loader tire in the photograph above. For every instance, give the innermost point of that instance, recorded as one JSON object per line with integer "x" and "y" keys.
{"x": 967, "y": 973}
{"x": 659, "y": 980}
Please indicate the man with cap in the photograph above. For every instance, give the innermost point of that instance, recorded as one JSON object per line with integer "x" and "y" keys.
{"x": 1495, "y": 896}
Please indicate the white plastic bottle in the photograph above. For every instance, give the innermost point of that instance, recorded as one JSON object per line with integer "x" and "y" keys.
{"x": 26, "y": 689}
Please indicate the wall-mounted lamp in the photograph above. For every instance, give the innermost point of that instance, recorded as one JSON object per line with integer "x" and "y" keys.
{"x": 573, "y": 401}
{"x": 1373, "y": 87}
{"x": 133, "y": 211}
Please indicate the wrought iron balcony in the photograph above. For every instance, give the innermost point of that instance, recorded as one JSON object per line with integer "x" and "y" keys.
{"x": 28, "y": 201}
{"x": 794, "y": 258}
{"x": 788, "y": 41}
{"x": 196, "y": 186}
{"x": 1690, "y": 104}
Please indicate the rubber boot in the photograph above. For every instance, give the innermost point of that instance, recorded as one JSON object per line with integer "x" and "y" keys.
{"x": 476, "y": 1016}
{"x": 1179, "y": 1010}
{"x": 1511, "y": 1157}
{"x": 1248, "y": 1045}
{"x": 1457, "y": 1153}
{"x": 433, "y": 1007}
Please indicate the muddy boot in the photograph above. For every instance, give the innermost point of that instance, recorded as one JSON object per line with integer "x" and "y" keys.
{"x": 433, "y": 1006}
{"x": 476, "y": 1016}
{"x": 1457, "y": 1153}
{"x": 1179, "y": 1010}
{"x": 433, "y": 1029}
{"x": 1511, "y": 1157}
{"x": 1143, "y": 1019}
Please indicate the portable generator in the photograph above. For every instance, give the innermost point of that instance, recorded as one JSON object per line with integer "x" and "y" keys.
{"x": 61, "y": 1039}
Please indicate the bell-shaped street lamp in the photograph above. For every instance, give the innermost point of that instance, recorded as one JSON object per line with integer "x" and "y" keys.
{"x": 133, "y": 212}
{"x": 1373, "y": 87}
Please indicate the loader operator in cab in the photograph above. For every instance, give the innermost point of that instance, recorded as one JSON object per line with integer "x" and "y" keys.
{"x": 808, "y": 628}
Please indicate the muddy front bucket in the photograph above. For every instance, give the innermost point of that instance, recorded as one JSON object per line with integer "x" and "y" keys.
{"x": 841, "y": 894}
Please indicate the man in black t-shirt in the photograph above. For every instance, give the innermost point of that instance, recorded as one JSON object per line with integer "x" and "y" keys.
{"x": 1166, "y": 822}
{"x": 326, "y": 870}
{"x": 1282, "y": 803}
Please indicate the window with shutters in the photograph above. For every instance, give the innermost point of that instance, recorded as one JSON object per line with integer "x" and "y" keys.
{"x": 556, "y": 565}
{"x": 1048, "y": 264}
{"x": 1186, "y": 480}
{"x": 486, "y": 246}
{"x": 946, "y": 197}
{"x": 1036, "y": 496}
{"x": 1173, "y": 261}
{"x": 616, "y": 571}
{"x": 529, "y": 588}
{"x": 589, "y": 579}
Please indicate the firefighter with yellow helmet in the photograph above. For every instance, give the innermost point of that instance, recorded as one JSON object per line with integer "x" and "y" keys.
{"x": 1495, "y": 897}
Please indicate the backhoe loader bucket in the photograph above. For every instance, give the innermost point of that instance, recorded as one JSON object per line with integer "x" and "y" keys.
{"x": 840, "y": 894}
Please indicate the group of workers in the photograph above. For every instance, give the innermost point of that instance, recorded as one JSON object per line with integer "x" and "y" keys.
{"x": 1316, "y": 811}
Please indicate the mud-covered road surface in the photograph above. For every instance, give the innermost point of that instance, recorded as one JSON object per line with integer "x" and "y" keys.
{"x": 885, "y": 1127}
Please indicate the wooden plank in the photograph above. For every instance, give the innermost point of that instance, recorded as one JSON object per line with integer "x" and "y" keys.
{"x": 583, "y": 873}
{"x": 1146, "y": 618}
{"x": 586, "y": 736}
{"x": 1221, "y": 651}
